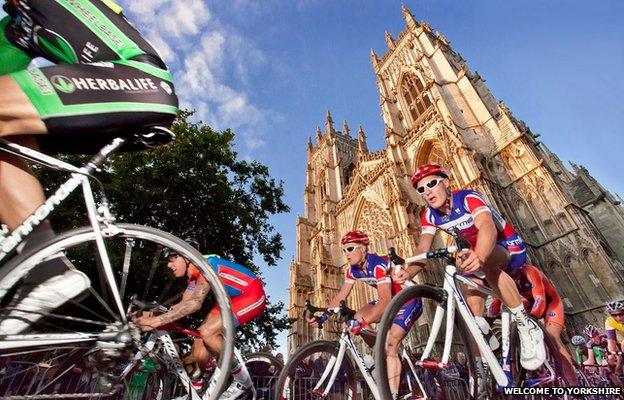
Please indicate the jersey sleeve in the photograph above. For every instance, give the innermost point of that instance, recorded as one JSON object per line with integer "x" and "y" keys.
{"x": 381, "y": 274}
{"x": 538, "y": 291}
{"x": 349, "y": 278}
{"x": 426, "y": 222}
{"x": 475, "y": 204}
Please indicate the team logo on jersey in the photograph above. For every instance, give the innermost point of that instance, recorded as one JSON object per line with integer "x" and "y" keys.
{"x": 63, "y": 83}
{"x": 166, "y": 87}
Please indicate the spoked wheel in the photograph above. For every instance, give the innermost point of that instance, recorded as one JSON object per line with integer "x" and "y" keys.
{"x": 307, "y": 374}
{"x": 428, "y": 378}
{"x": 550, "y": 374}
{"x": 264, "y": 369}
{"x": 94, "y": 322}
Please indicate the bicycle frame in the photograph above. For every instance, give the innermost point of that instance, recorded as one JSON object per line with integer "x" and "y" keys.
{"x": 335, "y": 362}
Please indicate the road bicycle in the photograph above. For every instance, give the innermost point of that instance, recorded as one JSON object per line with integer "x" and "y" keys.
{"x": 118, "y": 258}
{"x": 445, "y": 301}
{"x": 333, "y": 369}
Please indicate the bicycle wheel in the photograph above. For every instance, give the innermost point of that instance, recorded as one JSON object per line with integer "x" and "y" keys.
{"x": 550, "y": 374}
{"x": 264, "y": 369}
{"x": 431, "y": 378}
{"x": 97, "y": 319}
{"x": 306, "y": 374}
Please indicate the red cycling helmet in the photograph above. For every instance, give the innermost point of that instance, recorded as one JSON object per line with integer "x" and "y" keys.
{"x": 355, "y": 237}
{"x": 427, "y": 170}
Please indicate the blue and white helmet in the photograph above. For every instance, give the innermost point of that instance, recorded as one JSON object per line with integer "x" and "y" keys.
{"x": 615, "y": 306}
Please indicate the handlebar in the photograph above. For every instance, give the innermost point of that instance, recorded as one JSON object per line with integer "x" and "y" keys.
{"x": 343, "y": 312}
{"x": 139, "y": 306}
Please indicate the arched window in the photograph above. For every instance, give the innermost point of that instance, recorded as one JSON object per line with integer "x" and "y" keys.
{"x": 417, "y": 100}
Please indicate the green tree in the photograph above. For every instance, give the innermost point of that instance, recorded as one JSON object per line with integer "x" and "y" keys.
{"x": 197, "y": 187}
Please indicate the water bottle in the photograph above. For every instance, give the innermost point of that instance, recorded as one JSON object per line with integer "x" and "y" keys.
{"x": 487, "y": 333}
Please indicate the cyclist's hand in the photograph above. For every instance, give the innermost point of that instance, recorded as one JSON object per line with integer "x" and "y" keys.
{"x": 468, "y": 261}
{"x": 146, "y": 323}
{"x": 400, "y": 275}
{"x": 317, "y": 321}
{"x": 355, "y": 325}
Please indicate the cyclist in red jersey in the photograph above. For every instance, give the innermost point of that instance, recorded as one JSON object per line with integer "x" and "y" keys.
{"x": 248, "y": 301}
{"x": 543, "y": 301}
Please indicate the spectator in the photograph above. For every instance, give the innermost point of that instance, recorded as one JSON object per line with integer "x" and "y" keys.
{"x": 462, "y": 366}
{"x": 305, "y": 369}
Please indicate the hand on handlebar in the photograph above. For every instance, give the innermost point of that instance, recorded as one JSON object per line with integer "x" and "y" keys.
{"x": 146, "y": 323}
{"x": 318, "y": 321}
{"x": 468, "y": 261}
{"x": 356, "y": 325}
{"x": 400, "y": 275}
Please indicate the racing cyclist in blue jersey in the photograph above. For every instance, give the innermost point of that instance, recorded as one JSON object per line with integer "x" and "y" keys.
{"x": 374, "y": 270}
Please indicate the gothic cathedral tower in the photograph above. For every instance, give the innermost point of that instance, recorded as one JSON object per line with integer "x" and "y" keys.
{"x": 435, "y": 110}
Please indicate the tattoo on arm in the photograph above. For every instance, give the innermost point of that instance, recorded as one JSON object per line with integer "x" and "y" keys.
{"x": 188, "y": 306}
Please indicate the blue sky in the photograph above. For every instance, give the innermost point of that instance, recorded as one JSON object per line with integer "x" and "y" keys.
{"x": 271, "y": 69}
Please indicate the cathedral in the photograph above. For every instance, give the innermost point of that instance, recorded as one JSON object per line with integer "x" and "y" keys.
{"x": 436, "y": 110}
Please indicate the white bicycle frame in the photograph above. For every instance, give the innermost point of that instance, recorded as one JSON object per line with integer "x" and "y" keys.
{"x": 335, "y": 362}
{"x": 455, "y": 300}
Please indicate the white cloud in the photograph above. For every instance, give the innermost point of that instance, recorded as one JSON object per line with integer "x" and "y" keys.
{"x": 210, "y": 61}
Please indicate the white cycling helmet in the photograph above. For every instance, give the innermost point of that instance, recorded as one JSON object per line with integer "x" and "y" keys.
{"x": 591, "y": 331}
{"x": 578, "y": 340}
{"x": 615, "y": 306}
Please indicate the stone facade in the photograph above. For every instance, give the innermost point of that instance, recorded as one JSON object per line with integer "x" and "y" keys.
{"x": 436, "y": 110}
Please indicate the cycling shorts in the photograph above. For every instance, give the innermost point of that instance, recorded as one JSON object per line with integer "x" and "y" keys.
{"x": 408, "y": 314}
{"x": 248, "y": 305}
{"x": 109, "y": 81}
{"x": 554, "y": 312}
{"x": 517, "y": 252}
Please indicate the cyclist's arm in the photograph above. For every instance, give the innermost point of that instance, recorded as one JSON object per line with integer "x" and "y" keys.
{"x": 424, "y": 245}
{"x": 191, "y": 302}
{"x": 591, "y": 358}
{"x": 384, "y": 292}
{"x": 538, "y": 291}
{"x": 612, "y": 344}
{"x": 486, "y": 238}
{"x": 342, "y": 294}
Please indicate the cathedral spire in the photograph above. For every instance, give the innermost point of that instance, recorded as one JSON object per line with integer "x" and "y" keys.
{"x": 409, "y": 18}
{"x": 374, "y": 59}
{"x": 345, "y": 129}
{"x": 310, "y": 143}
{"x": 362, "y": 148}
{"x": 389, "y": 40}
{"x": 319, "y": 135}
{"x": 329, "y": 123}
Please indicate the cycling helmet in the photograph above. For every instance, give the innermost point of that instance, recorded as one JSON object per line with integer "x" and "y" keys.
{"x": 355, "y": 237}
{"x": 169, "y": 252}
{"x": 615, "y": 306}
{"x": 428, "y": 170}
{"x": 591, "y": 331}
{"x": 578, "y": 340}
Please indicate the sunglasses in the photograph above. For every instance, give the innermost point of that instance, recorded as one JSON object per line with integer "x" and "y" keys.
{"x": 349, "y": 249}
{"x": 620, "y": 314}
{"x": 431, "y": 184}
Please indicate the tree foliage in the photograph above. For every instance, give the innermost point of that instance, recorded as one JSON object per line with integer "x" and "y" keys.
{"x": 196, "y": 186}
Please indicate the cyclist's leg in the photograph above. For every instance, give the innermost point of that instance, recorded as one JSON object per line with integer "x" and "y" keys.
{"x": 554, "y": 326}
{"x": 402, "y": 324}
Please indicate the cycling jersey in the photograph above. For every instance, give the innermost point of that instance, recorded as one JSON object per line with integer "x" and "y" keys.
{"x": 111, "y": 81}
{"x": 614, "y": 330}
{"x": 535, "y": 286}
{"x": 374, "y": 272}
{"x": 599, "y": 349}
{"x": 465, "y": 206}
{"x": 242, "y": 285}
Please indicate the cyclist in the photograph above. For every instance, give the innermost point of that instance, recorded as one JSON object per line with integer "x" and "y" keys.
{"x": 496, "y": 250}
{"x": 248, "y": 301}
{"x": 108, "y": 81}
{"x": 614, "y": 329}
{"x": 597, "y": 347}
{"x": 373, "y": 269}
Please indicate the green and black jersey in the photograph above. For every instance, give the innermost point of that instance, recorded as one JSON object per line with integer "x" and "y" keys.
{"x": 108, "y": 78}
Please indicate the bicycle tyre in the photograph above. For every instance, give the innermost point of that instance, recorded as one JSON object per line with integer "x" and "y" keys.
{"x": 79, "y": 240}
{"x": 438, "y": 296}
{"x": 283, "y": 391}
{"x": 264, "y": 369}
